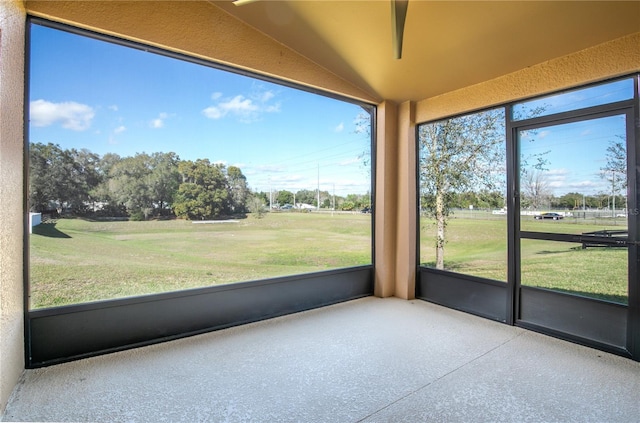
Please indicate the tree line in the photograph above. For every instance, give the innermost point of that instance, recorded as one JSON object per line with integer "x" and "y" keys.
{"x": 144, "y": 186}
{"x": 140, "y": 187}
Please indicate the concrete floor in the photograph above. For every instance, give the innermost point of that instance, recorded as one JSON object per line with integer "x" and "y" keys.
{"x": 369, "y": 360}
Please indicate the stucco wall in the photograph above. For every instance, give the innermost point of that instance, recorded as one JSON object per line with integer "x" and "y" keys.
{"x": 386, "y": 199}
{"x": 614, "y": 58}
{"x": 12, "y": 24}
{"x": 406, "y": 232}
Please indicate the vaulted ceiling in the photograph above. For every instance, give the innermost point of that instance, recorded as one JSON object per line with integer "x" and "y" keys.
{"x": 448, "y": 45}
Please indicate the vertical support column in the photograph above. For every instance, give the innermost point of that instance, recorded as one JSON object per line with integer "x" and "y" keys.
{"x": 12, "y": 31}
{"x": 385, "y": 208}
{"x": 633, "y": 207}
{"x": 406, "y": 231}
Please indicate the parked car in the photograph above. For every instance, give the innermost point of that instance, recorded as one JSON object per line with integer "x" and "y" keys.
{"x": 286, "y": 207}
{"x": 367, "y": 209}
{"x": 554, "y": 216}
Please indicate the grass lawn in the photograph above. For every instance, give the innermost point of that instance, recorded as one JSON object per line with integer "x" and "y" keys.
{"x": 77, "y": 260}
{"x": 478, "y": 247}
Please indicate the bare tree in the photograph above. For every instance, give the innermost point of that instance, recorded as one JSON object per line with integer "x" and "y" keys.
{"x": 535, "y": 187}
{"x": 615, "y": 170}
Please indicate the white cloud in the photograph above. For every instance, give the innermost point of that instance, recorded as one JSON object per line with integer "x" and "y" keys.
{"x": 274, "y": 108}
{"x": 113, "y": 107}
{"x": 584, "y": 184}
{"x": 120, "y": 129}
{"x": 213, "y": 112}
{"x": 339, "y": 128}
{"x": 159, "y": 121}
{"x": 269, "y": 168}
{"x": 245, "y": 109}
{"x": 70, "y": 115}
{"x": 287, "y": 180}
{"x": 238, "y": 105}
{"x": 557, "y": 171}
{"x": 266, "y": 96}
{"x": 348, "y": 162}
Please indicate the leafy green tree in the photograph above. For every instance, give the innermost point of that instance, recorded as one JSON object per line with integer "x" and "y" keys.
{"x": 88, "y": 176}
{"x": 130, "y": 184}
{"x": 348, "y": 206}
{"x": 306, "y": 196}
{"x": 60, "y": 178}
{"x": 164, "y": 179}
{"x": 101, "y": 194}
{"x": 238, "y": 190}
{"x": 203, "y": 193}
{"x": 359, "y": 201}
{"x": 571, "y": 200}
{"x": 256, "y": 205}
{"x": 457, "y": 155}
{"x": 284, "y": 197}
{"x": 264, "y": 196}
{"x": 42, "y": 160}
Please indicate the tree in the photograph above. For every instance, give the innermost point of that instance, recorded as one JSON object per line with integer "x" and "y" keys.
{"x": 256, "y": 205}
{"x": 284, "y": 197}
{"x": 238, "y": 190}
{"x": 164, "y": 179}
{"x": 42, "y": 186}
{"x": 570, "y": 200}
{"x": 615, "y": 169}
{"x": 262, "y": 196}
{"x": 362, "y": 124}
{"x": 60, "y": 178}
{"x": 130, "y": 185}
{"x": 88, "y": 176}
{"x": 306, "y": 196}
{"x": 456, "y": 155}
{"x": 103, "y": 200}
{"x": 203, "y": 193}
{"x": 536, "y": 189}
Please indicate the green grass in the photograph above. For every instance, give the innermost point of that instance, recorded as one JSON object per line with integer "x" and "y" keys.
{"x": 478, "y": 247}
{"x": 76, "y": 260}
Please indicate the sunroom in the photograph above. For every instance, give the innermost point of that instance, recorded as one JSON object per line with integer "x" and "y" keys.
{"x": 498, "y": 150}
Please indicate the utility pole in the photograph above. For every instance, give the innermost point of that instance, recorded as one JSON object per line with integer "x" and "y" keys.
{"x": 333, "y": 208}
{"x": 613, "y": 192}
{"x": 270, "y": 196}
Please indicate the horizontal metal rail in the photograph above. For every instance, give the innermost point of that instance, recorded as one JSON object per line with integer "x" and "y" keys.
{"x": 585, "y": 238}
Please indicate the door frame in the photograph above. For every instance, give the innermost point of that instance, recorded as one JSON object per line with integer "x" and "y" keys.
{"x": 604, "y": 324}
{"x": 501, "y": 301}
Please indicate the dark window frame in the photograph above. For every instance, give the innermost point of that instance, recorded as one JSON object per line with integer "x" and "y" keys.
{"x": 484, "y": 297}
{"x": 60, "y": 334}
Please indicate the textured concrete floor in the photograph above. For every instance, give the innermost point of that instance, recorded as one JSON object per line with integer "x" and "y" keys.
{"x": 370, "y": 360}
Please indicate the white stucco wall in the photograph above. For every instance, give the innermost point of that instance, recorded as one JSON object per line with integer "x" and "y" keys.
{"x": 12, "y": 26}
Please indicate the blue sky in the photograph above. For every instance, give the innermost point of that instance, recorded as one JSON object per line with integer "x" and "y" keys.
{"x": 577, "y": 152}
{"x": 86, "y": 93}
